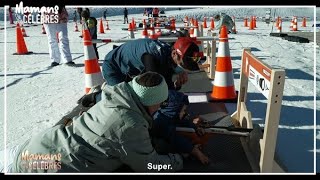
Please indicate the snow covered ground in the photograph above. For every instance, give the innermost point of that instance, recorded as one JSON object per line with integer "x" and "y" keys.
{"x": 37, "y": 96}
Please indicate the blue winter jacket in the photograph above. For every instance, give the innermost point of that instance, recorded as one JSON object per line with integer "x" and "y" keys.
{"x": 167, "y": 119}
{"x": 125, "y": 62}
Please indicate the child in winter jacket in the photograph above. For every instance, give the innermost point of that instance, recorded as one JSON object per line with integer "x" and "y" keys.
{"x": 168, "y": 118}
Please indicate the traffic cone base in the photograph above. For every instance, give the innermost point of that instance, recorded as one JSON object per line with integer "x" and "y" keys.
{"x": 232, "y": 100}
{"x": 27, "y": 53}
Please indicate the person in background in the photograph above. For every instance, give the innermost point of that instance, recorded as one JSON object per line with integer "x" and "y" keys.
{"x": 60, "y": 29}
{"x": 105, "y": 12}
{"x": 125, "y": 16}
{"x": 79, "y": 10}
{"x": 75, "y": 16}
{"x": 224, "y": 20}
{"x": 91, "y": 23}
{"x": 113, "y": 133}
{"x": 149, "y": 11}
{"x": 10, "y": 15}
{"x": 155, "y": 12}
{"x": 145, "y": 12}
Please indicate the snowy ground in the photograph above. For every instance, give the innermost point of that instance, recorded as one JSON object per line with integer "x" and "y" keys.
{"x": 38, "y": 96}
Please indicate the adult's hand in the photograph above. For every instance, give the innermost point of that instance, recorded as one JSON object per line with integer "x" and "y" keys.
{"x": 182, "y": 78}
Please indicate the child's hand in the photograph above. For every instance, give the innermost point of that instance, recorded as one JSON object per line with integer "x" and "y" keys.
{"x": 200, "y": 131}
{"x": 197, "y": 121}
{"x": 199, "y": 155}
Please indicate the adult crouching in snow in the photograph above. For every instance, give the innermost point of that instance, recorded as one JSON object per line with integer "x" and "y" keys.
{"x": 224, "y": 20}
{"x": 138, "y": 56}
{"x": 112, "y": 133}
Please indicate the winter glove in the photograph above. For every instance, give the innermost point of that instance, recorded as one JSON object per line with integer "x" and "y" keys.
{"x": 89, "y": 100}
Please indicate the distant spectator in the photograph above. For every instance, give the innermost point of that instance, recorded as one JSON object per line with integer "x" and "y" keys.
{"x": 91, "y": 23}
{"x": 60, "y": 29}
{"x": 10, "y": 15}
{"x": 79, "y": 10}
{"x": 105, "y": 14}
{"x": 149, "y": 11}
{"x": 155, "y": 12}
{"x": 145, "y": 12}
{"x": 75, "y": 16}
{"x": 125, "y": 16}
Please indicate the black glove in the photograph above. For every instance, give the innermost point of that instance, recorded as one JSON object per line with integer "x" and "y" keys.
{"x": 89, "y": 100}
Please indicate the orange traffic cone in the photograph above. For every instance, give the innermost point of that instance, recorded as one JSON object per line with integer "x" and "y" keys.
{"x": 223, "y": 87}
{"x": 158, "y": 32}
{"x": 196, "y": 32}
{"x": 304, "y": 22}
{"x": 280, "y": 26}
{"x": 130, "y": 29}
{"x": 251, "y": 27}
{"x": 152, "y": 33}
{"x": 245, "y": 22}
{"x": 212, "y": 24}
{"x": 93, "y": 76}
{"x": 101, "y": 30}
{"x": 295, "y": 25}
{"x": 21, "y": 45}
{"x": 76, "y": 27}
{"x": 43, "y": 30}
{"x": 144, "y": 33}
{"x": 173, "y": 25}
{"x": 186, "y": 21}
{"x": 23, "y": 31}
{"x": 205, "y": 22}
{"x": 291, "y": 23}
{"x": 133, "y": 24}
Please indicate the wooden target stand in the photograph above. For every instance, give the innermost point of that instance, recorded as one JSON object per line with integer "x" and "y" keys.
{"x": 270, "y": 82}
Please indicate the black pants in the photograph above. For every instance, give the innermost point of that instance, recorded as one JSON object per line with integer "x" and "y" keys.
{"x": 96, "y": 50}
{"x": 125, "y": 19}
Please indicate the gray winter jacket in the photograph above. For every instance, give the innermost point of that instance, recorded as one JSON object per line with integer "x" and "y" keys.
{"x": 113, "y": 132}
{"x": 225, "y": 20}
